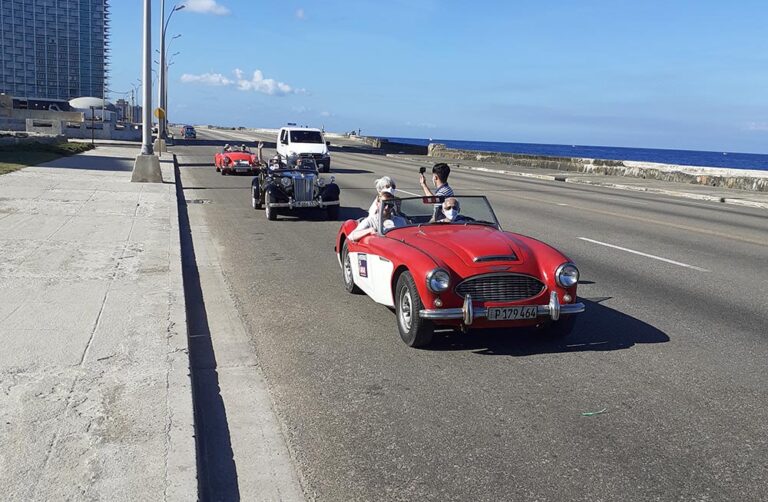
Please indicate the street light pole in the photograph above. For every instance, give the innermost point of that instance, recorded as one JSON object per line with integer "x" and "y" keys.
{"x": 161, "y": 123}
{"x": 160, "y": 128}
{"x": 146, "y": 169}
{"x": 146, "y": 133}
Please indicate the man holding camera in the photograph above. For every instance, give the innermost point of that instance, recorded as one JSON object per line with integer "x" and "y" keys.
{"x": 440, "y": 174}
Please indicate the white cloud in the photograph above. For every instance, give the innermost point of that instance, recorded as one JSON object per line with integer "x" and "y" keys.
{"x": 325, "y": 114}
{"x": 256, "y": 82}
{"x": 215, "y": 79}
{"x": 757, "y": 126}
{"x": 300, "y": 14}
{"x": 206, "y": 7}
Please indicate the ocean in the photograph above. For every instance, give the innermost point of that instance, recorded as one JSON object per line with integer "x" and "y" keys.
{"x": 678, "y": 157}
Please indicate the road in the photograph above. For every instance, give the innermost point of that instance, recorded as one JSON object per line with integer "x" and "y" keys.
{"x": 672, "y": 347}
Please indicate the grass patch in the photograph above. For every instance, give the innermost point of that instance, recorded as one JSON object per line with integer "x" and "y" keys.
{"x": 15, "y": 157}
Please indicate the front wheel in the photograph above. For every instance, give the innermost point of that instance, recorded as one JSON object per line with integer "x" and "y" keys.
{"x": 271, "y": 214}
{"x": 255, "y": 203}
{"x": 415, "y": 331}
{"x": 346, "y": 268}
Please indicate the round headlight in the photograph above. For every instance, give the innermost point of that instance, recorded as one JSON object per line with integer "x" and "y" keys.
{"x": 286, "y": 182}
{"x": 438, "y": 280}
{"x": 567, "y": 275}
{"x": 320, "y": 182}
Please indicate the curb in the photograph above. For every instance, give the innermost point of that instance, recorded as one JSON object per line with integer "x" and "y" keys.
{"x": 618, "y": 186}
{"x": 181, "y": 470}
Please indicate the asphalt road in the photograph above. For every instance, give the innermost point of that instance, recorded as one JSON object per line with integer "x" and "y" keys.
{"x": 673, "y": 348}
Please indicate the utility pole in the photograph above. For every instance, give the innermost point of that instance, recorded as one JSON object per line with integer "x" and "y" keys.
{"x": 147, "y": 166}
{"x": 161, "y": 78}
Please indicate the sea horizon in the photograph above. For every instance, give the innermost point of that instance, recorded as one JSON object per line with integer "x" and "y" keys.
{"x": 700, "y": 158}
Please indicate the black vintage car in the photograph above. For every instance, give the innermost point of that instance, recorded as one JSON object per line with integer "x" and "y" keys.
{"x": 284, "y": 187}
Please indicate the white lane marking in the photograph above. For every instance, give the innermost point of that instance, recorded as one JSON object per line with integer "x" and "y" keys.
{"x": 410, "y": 193}
{"x": 561, "y": 204}
{"x": 673, "y": 262}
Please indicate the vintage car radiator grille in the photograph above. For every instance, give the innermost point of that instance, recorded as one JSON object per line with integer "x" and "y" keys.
{"x": 500, "y": 287}
{"x": 303, "y": 189}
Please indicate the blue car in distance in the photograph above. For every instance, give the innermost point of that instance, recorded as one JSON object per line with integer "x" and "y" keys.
{"x": 188, "y": 132}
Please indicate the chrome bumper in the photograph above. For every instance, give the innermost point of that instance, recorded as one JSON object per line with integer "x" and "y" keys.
{"x": 468, "y": 313}
{"x": 304, "y": 203}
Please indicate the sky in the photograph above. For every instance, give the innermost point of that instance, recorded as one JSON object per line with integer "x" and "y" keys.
{"x": 657, "y": 74}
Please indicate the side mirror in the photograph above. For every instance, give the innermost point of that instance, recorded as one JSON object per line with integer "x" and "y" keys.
{"x": 328, "y": 144}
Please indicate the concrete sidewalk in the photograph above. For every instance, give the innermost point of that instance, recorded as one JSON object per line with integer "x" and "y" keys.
{"x": 95, "y": 396}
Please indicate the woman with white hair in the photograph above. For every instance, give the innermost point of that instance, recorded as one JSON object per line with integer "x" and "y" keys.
{"x": 383, "y": 184}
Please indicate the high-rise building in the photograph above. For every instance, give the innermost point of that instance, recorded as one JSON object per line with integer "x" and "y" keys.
{"x": 54, "y": 49}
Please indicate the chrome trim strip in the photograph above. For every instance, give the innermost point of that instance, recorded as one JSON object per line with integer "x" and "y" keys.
{"x": 481, "y": 313}
{"x": 468, "y": 311}
{"x": 495, "y": 257}
{"x": 309, "y": 203}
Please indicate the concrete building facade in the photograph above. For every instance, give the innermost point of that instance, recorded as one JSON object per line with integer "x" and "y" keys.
{"x": 54, "y": 49}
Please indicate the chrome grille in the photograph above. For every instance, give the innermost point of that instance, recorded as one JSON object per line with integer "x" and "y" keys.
{"x": 500, "y": 287}
{"x": 303, "y": 189}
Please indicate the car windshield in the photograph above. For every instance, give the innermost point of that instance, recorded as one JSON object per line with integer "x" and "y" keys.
{"x": 306, "y": 137}
{"x": 411, "y": 211}
{"x": 305, "y": 163}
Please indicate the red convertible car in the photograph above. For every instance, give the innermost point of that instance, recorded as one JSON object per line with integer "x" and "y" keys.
{"x": 236, "y": 160}
{"x": 466, "y": 273}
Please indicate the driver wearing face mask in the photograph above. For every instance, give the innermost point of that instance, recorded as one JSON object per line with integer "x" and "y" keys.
{"x": 450, "y": 210}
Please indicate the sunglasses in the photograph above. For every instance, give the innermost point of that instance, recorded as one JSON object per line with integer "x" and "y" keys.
{"x": 448, "y": 208}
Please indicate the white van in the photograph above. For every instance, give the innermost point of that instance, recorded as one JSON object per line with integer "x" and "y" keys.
{"x": 293, "y": 142}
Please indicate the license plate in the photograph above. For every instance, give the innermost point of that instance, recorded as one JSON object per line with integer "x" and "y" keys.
{"x": 511, "y": 313}
{"x": 321, "y": 165}
{"x": 242, "y": 169}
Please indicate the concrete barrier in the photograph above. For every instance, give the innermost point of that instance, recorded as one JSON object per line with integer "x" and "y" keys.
{"x": 717, "y": 177}
{"x": 18, "y": 138}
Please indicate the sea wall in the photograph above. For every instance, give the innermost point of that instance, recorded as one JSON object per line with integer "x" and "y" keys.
{"x": 726, "y": 178}
{"x": 386, "y": 146}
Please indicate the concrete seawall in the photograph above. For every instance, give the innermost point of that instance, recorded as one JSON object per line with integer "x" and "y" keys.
{"x": 743, "y": 179}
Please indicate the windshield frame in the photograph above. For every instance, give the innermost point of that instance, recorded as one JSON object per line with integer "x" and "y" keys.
{"x": 435, "y": 200}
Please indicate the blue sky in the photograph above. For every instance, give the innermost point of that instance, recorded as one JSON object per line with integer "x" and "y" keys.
{"x": 680, "y": 74}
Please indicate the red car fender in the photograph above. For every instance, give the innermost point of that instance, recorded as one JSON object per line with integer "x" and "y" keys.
{"x": 549, "y": 260}
{"x": 402, "y": 255}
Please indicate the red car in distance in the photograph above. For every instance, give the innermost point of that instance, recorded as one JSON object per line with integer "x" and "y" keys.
{"x": 233, "y": 160}
{"x": 466, "y": 273}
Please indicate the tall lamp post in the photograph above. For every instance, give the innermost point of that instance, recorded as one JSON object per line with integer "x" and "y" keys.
{"x": 147, "y": 165}
{"x": 165, "y": 94}
{"x": 161, "y": 122}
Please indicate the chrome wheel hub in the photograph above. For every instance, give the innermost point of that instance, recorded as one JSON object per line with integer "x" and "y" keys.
{"x": 406, "y": 309}
{"x": 347, "y": 269}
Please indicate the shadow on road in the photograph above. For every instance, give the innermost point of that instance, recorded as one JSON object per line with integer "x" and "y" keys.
{"x": 338, "y": 170}
{"x": 598, "y": 329}
{"x": 216, "y": 469}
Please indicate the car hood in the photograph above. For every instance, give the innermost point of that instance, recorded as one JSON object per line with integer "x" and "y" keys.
{"x": 239, "y": 155}
{"x": 471, "y": 249}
